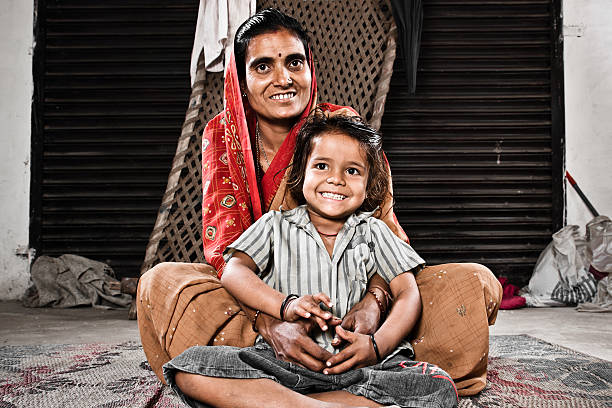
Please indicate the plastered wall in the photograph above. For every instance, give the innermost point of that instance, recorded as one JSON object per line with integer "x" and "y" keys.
{"x": 588, "y": 105}
{"x": 16, "y": 42}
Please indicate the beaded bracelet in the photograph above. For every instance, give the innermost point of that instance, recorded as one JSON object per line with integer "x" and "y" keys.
{"x": 257, "y": 312}
{"x": 375, "y": 347}
{"x": 288, "y": 299}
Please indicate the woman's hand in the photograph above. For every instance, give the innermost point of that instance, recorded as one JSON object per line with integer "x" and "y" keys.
{"x": 363, "y": 318}
{"x": 400, "y": 321}
{"x": 359, "y": 353}
{"x": 307, "y": 307}
{"x": 291, "y": 342}
{"x": 366, "y": 316}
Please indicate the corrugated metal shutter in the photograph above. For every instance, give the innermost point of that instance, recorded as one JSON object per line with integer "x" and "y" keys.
{"x": 111, "y": 91}
{"x": 474, "y": 172}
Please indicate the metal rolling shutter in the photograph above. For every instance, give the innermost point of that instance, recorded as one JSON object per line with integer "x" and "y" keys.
{"x": 112, "y": 85}
{"x": 476, "y": 152}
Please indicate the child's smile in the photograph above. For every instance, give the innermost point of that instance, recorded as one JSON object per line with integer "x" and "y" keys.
{"x": 335, "y": 180}
{"x": 333, "y": 196}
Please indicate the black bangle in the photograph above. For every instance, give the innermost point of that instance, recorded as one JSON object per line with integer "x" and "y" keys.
{"x": 375, "y": 347}
{"x": 288, "y": 299}
{"x": 255, "y": 321}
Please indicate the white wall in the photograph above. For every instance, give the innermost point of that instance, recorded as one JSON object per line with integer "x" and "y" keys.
{"x": 588, "y": 105}
{"x": 16, "y": 41}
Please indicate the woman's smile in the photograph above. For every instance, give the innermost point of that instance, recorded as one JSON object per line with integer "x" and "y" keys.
{"x": 283, "y": 96}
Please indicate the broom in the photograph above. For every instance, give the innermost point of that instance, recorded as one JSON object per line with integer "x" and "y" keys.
{"x": 581, "y": 194}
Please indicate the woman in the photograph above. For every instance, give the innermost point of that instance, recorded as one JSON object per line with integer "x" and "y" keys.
{"x": 246, "y": 149}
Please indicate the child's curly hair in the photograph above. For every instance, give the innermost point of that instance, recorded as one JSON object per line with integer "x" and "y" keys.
{"x": 369, "y": 139}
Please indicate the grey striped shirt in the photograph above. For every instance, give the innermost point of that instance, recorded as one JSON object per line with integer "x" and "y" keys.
{"x": 291, "y": 257}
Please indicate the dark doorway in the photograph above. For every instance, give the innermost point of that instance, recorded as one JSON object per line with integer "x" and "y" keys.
{"x": 476, "y": 153}
{"x": 111, "y": 90}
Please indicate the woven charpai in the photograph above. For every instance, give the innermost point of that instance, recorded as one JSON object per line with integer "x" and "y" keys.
{"x": 350, "y": 40}
{"x": 354, "y": 47}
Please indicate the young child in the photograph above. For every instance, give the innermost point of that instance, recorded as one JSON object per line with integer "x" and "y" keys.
{"x": 314, "y": 262}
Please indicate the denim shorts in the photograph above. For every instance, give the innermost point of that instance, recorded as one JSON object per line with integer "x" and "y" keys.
{"x": 397, "y": 380}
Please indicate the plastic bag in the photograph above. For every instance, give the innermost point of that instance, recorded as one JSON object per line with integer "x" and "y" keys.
{"x": 599, "y": 237}
{"x": 602, "y": 301}
{"x": 543, "y": 281}
{"x": 571, "y": 259}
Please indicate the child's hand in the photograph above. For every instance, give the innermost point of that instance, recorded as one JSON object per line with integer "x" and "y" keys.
{"x": 359, "y": 353}
{"x": 307, "y": 307}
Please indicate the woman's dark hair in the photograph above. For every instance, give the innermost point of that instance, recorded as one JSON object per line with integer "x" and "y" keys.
{"x": 369, "y": 139}
{"x": 266, "y": 21}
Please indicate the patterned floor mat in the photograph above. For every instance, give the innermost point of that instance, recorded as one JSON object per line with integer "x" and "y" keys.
{"x": 523, "y": 372}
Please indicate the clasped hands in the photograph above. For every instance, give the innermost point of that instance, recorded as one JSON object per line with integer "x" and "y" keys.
{"x": 353, "y": 331}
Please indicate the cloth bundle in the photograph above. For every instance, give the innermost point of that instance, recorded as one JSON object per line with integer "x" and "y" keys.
{"x": 568, "y": 270}
{"x": 576, "y": 284}
{"x": 599, "y": 237}
{"x": 510, "y": 298}
{"x": 599, "y": 250}
{"x": 73, "y": 280}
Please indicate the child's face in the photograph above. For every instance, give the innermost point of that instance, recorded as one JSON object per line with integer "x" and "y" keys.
{"x": 336, "y": 176}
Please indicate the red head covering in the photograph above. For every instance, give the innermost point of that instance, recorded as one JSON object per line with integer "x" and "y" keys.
{"x": 243, "y": 126}
{"x": 232, "y": 198}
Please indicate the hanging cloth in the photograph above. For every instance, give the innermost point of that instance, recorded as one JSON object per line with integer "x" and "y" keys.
{"x": 217, "y": 23}
{"x": 408, "y": 15}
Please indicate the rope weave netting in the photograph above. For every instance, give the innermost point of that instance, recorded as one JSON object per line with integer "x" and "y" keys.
{"x": 354, "y": 47}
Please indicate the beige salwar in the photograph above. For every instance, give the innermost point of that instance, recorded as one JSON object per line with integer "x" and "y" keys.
{"x": 459, "y": 301}
{"x": 182, "y": 305}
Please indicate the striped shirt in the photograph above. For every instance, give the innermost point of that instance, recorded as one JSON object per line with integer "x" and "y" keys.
{"x": 291, "y": 257}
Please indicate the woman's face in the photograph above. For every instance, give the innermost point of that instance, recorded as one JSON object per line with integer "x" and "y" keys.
{"x": 277, "y": 76}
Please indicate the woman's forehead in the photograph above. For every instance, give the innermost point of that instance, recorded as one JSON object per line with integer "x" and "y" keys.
{"x": 277, "y": 44}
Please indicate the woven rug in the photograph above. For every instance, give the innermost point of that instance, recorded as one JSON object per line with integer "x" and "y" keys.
{"x": 527, "y": 372}
{"x": 523, "y": 372}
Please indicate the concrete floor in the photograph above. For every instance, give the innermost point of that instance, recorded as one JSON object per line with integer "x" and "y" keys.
{"x": 590, "y": 333}
{"x": 21, "y": 325}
